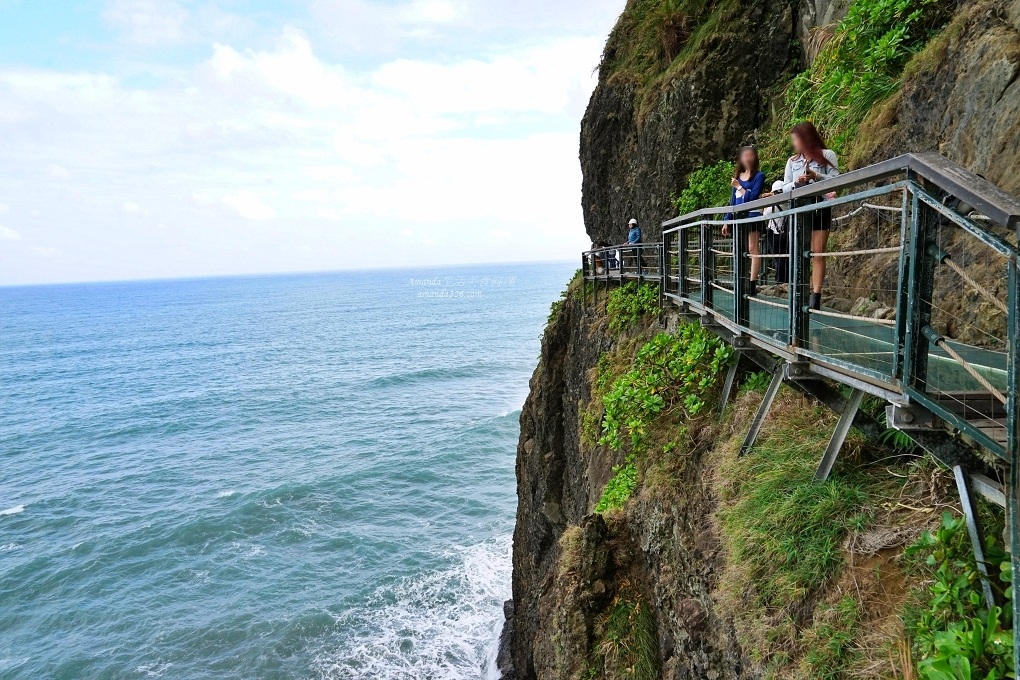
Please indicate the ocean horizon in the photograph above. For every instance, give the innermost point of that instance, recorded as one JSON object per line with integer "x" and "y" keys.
{"x": 274, "y": 476}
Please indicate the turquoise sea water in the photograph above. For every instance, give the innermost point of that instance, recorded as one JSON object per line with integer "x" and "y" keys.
{"x": 270, "y": 477}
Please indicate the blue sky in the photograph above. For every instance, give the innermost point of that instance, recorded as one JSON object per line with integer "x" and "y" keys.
{"x": 167, "y": 138}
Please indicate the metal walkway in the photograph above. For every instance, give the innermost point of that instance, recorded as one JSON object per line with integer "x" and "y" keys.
{"x": 925, "y": 314}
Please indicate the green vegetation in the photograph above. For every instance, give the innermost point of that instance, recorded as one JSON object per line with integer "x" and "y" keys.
{"x": 707, "y": 187}
{"x": 557, "y": 305}
{"x": 626, "y": 643}
{"x": 655, "y": 38}
{"x": 955, "y": 635}
{"x": 631, "y": 303}
{"x": 784, "y": 529}
{"x": 756, "y": 382}
{"x": 619, "y": 489}
{"x": 862, "y": 63}
{"x": 670, "y": 371}
{"x": 830, "y": 641}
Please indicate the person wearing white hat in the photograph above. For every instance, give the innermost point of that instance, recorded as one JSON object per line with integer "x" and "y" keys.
{"x": 633, "y": 232}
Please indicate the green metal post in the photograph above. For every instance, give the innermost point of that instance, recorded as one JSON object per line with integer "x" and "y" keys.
{"x": 1013, "y": 448}
{"x": 920, "y": 284}
{"x": 800, "y": 278}
{"x": 741, "y": 307}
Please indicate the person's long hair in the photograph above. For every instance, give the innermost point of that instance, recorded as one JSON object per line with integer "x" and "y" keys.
{"x": 738, "y": 167}
{"x": 812, "y": 146}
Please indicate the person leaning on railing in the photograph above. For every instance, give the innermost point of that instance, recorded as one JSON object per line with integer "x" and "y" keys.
{"x": 747, "y": 184}
{"x": 812, "y": 162}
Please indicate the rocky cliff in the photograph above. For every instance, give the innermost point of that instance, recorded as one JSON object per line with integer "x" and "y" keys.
{"x": 672, "y": 566}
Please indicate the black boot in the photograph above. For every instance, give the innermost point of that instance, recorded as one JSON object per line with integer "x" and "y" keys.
{"x": 752, "y": 288}
{"x": 816, "y": 301}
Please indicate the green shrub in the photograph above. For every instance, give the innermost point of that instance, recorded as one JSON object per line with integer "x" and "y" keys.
{"x": 630, "y": 303}
{"x": 756, "y": 382}
{"x": 669, "y": 371}
{"x": 626, "y": 643}
{"x": 619, "y": 489}
{"x": 557, "y": 306}
{"x": 955, "y": 635}
{"x": 862, "y": 63}
{"x": 707, "y": 187}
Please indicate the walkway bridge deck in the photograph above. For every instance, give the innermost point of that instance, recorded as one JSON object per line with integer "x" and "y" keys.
{"x": 921, "y": 309}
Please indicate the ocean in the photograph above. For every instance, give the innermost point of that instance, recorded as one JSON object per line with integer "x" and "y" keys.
{"x": 307, "y": 476}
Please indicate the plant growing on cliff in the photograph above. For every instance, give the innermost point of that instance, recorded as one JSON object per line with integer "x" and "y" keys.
{"x": 955, "y": 634}
{"x": 862, "y": 62}
{"x": 631, "y": 303}
{"x": 670, "y": 371}
{"x": 626, "y": 644}
{"x": 707, "y": 187}
{"x": 619, "y": 489}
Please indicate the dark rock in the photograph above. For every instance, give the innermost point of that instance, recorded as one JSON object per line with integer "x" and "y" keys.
{"x": 504, "y": 657}
{"x": 637, "y": 151}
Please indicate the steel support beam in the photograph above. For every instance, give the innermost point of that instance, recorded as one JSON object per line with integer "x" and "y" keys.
{"x": 977, "y": 537}
{"x": 763, "y": 411}
{"x": 843, "y": 425}
{"x": 727, "y": 390}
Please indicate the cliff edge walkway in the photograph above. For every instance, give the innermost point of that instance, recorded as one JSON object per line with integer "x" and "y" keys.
{"x": 921, "y": 309}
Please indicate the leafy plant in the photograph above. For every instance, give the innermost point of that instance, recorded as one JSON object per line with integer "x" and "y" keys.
{"x": 630, "y": 303}
{"x": 619, "y": 489}
{"x": 670, "y": 371}
{"x": 707, "y": 187}
{"x": 862, "y": 62}
{"x": 756, "y": 382}
{"x": 956, "y": 636}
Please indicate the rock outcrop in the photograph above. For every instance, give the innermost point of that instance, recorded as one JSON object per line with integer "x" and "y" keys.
{"x": 961, "y": 97}
{"x": 642, "y": 134}
{"x": 640, "y": 140}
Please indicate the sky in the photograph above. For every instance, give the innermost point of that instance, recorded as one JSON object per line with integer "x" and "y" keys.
{"x": 146, "y": 139}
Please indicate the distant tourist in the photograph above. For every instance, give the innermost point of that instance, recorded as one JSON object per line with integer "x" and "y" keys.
{"x": 633, "y": 232}
{"x": 747, "y": 184}
{"x": 810, "y": 163}
{"x": 777, "y": 240}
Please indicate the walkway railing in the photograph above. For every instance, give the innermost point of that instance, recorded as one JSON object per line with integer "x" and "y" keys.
{"x": 920, "y": 307}
{"x": 631, "y": 262}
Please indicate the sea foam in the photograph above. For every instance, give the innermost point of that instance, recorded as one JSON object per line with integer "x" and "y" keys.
{"x": 17, "y": 509}
{"x": 441, "y": 625}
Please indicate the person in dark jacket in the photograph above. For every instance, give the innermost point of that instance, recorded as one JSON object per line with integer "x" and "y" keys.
{"x": 747, "y": 185}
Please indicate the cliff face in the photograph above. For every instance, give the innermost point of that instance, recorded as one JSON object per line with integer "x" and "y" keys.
{"x": 961, "y": 98}
{"x": 569, "y": 565}
{"x": 642, "y": 134}
{"x": 640, "y": 140}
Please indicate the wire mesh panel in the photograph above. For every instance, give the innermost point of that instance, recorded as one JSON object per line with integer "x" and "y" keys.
{"x": 962, "y": 357}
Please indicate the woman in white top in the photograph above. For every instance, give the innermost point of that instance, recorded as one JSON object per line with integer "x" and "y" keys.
{"x": 811, "y": 163}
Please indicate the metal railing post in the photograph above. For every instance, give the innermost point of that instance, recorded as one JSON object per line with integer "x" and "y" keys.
{"x": 902, "y": 297}
{"x": 741, "y": 306}
{"x": 1013, "y": 444}
{"x": 800, "y": 277}
{"x": 706, "y": 272}
{"x": 920, "y": 284}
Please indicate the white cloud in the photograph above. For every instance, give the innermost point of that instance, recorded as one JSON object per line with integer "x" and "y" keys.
{"x": 249, "y": 205}
{"x": 8, "y": 234}
{"x": 150, "y": 22}
{"x": 4, "y": 209}
{"x": 459, "y": 152}
{"x": 431, "y": 11}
